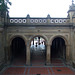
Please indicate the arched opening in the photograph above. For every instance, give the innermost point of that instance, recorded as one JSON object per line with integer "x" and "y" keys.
{"x": 38, "y": 51}
{"x": 18, "y": 51}
{"x": 58, "y": 49}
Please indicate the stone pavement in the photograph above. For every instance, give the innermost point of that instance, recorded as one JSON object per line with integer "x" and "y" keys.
{"x": 38, "y": 66}
{"x": 58, "y": 67}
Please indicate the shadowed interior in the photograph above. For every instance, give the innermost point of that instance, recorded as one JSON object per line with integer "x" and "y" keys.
{"x": 58, "y": 48}
{"x": 18, "y": 49}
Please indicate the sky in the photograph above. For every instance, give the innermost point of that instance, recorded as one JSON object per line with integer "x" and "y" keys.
{"x": 39, "y": 8}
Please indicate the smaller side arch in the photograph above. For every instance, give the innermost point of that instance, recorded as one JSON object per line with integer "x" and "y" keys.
{"x": 9, "y": 44}
{"x": 14, "y": 36}
{"x": 67, "y": 50}
{"x": 63, "y": 37}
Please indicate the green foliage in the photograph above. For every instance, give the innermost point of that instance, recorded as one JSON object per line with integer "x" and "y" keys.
{"x": 3, "y": 5}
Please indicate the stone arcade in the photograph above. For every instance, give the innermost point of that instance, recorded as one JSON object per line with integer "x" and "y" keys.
{"x": 24, "y": 30}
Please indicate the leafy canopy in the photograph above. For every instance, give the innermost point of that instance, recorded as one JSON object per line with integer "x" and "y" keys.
{"x": 3, "y": 5}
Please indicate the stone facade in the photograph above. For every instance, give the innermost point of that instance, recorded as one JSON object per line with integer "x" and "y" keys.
{"x": 28, "y": 28}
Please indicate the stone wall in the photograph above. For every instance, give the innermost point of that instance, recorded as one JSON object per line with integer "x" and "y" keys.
{"x": 49, "y": 33}
{"x": 2, "y": 53}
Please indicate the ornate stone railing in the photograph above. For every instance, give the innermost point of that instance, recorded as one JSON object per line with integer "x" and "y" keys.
{"x": 38, "y": 21}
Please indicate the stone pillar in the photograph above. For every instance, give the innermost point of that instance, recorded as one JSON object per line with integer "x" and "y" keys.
{"x": 68, "y": 53}
{"x": 28, "y": 54}
{"x": 7, "y": 54}
{"x": 0, "y": 18}
{"x": 64, "y": 51}
{"x": 73, "y": 53}
{"x": 48, "y": 55}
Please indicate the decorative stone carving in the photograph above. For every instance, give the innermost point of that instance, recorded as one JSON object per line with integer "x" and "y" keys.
{"x": 48, "y": 36}
{"x": 9, "y": 36}
{"x": 28, "y": 36}
{"x": 38, "y": 20}
{"x": 66, "y": 36}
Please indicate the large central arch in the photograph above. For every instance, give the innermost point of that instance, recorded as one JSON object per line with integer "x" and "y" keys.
{"x": 38, "y": 50}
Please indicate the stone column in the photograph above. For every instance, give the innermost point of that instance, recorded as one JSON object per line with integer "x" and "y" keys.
{"x": 0, "y": 17}
{"x": 73, "y": 53}
{"x": 7, "y": 54}
{"x": 67, "y": 53}
{"x": 28, "y": 54}
{"x": 64, "y": 52}
{"x": 48, "y": 55}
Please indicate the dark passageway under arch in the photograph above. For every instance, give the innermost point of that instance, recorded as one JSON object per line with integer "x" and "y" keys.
{"x": 18, "y": 49}
{"x": 58, "y": 48}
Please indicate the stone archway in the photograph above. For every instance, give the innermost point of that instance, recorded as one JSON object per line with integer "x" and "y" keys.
{"x": 38, "y": 50}
{"x": 60, "y": 36}
{"x": 65, "y": 50}
{"x": 58, "y": 48}
{"x": 17, "y": 51}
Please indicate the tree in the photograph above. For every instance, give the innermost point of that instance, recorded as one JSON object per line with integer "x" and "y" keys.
{"x": 3, "y": 6}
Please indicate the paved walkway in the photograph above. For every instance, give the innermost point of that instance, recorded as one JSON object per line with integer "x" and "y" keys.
{"x": 37, "y": 71}
{"x": 37, "y": 67}
{"x": 18, "y": 67}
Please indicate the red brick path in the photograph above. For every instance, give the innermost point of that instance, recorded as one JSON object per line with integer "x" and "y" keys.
{"x": 38, "y": 71}
{"x": 57, "y": 67}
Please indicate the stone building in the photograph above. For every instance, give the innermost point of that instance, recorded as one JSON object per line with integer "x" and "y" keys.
{"x": 58, "y": 35}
